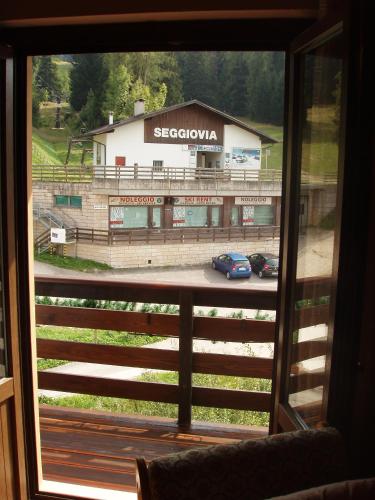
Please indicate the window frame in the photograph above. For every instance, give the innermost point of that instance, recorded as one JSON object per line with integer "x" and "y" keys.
{"x": 166, "y": 36}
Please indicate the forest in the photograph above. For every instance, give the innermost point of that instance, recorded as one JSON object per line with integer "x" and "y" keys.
{"x": 88, "y": 86}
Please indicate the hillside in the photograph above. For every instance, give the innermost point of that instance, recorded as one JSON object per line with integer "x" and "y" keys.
{"x": 50, "y": 145}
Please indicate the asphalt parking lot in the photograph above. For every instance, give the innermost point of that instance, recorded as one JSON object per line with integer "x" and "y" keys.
{"x": 194, "y": 275}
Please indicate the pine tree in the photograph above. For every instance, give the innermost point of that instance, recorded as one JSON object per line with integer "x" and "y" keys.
{"x": 89, "y": 72}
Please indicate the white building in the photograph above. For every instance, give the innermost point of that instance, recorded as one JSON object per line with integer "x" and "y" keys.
{"x": 191, "y": 135}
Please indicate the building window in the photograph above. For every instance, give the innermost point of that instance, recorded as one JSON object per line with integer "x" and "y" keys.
{"x": 257, "y": 215}
{"x": 234, "y": 216}
{"x": 98, "y": 154}
{"x": 156, "y": 217}
{"x": 129, "y": 217}
{"x": 68, "y": 201}
{"x": 157, "y": 165}
{"x": 215, "y": 216}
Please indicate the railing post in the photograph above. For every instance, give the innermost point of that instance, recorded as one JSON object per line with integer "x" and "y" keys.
{"x": 185, "y": 358}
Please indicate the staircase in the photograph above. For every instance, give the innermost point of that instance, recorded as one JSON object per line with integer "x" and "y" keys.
{"x": 49, "y": 220}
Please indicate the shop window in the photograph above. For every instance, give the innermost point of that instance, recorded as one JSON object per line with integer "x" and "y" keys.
{"x": 128, "y": 217}
{"x": 215, "y": 216}
{"x": 156, "y": 217}
{"x": 68, "y": 201}
{"x": 190, "y": 216}
{"x": 258, "y": 215}
{"x": 234, "y": 218}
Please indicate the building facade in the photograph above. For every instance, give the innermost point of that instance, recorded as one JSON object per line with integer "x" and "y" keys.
{"x": 185, "y": 174}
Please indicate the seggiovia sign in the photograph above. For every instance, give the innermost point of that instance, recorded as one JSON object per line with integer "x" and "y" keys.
{"x": 183, "y": 133}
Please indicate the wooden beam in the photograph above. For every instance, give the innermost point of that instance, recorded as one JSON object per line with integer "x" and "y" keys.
{"x": 234, "y": 330}
{"x": 158, "y": 359}
{"x": 226, "y": 398}
{"x": 79, "y": 384}
{"x": 237, "y": 366}
{"x": 104, "y": 319}
{"x": 186, "y": 358}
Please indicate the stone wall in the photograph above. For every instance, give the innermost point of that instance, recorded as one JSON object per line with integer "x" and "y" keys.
{"x": 94, "y": 211}
{"x": 125, "y": 256}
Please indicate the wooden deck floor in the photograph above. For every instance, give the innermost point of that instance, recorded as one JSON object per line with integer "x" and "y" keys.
{"x": 98, "y": 449}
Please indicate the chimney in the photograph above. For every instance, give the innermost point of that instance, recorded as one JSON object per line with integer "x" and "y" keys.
{"x": 139, "y": 107}
{"x": 110, "y": 118}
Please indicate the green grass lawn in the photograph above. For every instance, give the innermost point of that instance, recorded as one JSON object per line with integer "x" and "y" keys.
{"x": 50, "y": 146}
{"x": 199, "y": 413}
{"x": 76, "y": 264}
{"x": 90, "y": 336}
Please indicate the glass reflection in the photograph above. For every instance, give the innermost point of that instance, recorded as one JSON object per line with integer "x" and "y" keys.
{"x": 317, "y": 231}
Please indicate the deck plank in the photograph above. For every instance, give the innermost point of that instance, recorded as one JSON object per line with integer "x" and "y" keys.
{"x": 94, "y": 448}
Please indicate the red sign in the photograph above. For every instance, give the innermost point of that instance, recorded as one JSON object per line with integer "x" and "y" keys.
{"x": 120, "y": 161}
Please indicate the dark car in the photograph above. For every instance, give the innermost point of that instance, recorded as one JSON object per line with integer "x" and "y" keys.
{"x": 264, "y": 264}
{"x": 233, "y": 265}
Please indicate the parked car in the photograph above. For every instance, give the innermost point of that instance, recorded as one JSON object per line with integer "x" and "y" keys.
{"x": 233, "y": 265}
{"x": 264, "y": 264}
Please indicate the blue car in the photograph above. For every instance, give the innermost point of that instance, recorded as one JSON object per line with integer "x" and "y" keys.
{"x": 233, "y": 265}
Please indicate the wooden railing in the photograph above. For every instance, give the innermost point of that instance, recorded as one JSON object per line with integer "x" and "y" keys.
{"x": 88, "y": 173}
{"x": 184, "y": 326}
{"x": 177, "y": 235}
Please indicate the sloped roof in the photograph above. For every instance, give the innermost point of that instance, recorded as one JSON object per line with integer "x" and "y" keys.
{"x": 266, "y": 139}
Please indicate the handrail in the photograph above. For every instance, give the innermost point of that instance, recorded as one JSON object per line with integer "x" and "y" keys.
{"x": 166, "y": 236}
{"x": 176, "y": 235}
{"x": 185, "y": 326}
{"x": 89, "y": 173}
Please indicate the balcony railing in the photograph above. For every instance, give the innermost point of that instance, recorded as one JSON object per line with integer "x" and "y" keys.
{"x": 184, "y": 326}
{"x": 89, "y": 173}
{"x": 165, "y": 236}
{"x": 117, "y": 440}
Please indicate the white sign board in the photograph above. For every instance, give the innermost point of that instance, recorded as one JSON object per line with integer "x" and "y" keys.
{"x": 136, "y": 200}
{"x": 253, "y": 200}
{"x": 58, "y": 235}
{"x": 198, "y": 200}
{"x": 244, "y": 157}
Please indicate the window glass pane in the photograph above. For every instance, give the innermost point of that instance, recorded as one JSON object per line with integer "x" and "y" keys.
{"x": 62, "y": 200}
{"x": 135, "y": 217}
{"x": 317, "y": 232}
{"x": 156, "y": 217}
{"x": 263, "y": 215}
{"x": 98, "y": 154}
{"x": 234, "y": 216}
{"x": 190, "y": 216}
{"x": 116, "y": 218}
{"x": 76, "y": 201}
{"x": 215, "y": 216}
{"x": 248, "y": 216}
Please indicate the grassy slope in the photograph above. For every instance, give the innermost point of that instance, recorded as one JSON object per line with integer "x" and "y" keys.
{"x": 50, "y": 146}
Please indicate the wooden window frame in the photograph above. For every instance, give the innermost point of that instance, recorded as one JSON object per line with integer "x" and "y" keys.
{"x": 185, "y": 35}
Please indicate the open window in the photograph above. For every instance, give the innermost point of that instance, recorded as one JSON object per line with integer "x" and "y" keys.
{"x": 302, "y": 305}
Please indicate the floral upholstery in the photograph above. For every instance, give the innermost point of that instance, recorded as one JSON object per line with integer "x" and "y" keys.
{"x": 250, "y": 470}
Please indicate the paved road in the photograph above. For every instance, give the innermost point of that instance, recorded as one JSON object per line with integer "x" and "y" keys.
{"x": 195, "y": 275}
